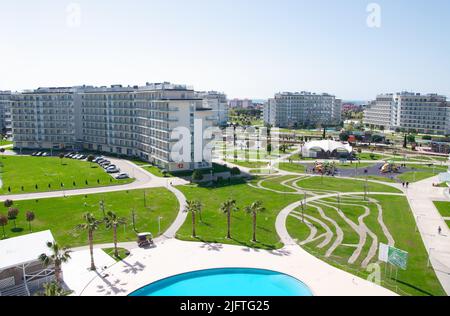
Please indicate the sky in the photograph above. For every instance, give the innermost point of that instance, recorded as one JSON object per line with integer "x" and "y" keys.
{"x": 245, "y": 48}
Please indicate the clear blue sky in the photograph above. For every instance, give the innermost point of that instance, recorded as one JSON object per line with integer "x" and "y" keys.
{"x": 246, "y": 48}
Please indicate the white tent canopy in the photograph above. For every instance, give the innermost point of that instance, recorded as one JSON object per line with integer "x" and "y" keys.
{"x": 24, "y": 249}
{"x": 327, "y": 146}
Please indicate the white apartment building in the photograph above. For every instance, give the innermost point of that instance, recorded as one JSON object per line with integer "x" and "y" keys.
{"x": 44, "y": 118}
{"x": 129, "y": 121}
{"x": 5, "y": 113}
{"x": 295, "y": 109}
{"x": 216, "y": 101}
{"x": 428, "y": 114}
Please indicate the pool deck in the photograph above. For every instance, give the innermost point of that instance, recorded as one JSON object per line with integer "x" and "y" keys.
{"x": 172, "y": 257}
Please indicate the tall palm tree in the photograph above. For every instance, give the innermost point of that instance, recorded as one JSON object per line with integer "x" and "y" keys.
{"x": 193, "y": 207}
{"x": 254, "y": 209}
{"x": 90, "y": 225}
{"x": 112, "y": 221}
{"x": 57, "y": 257}
{"x": 228, "y": 207}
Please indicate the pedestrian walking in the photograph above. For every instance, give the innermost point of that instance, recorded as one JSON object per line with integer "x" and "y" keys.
{"x": 403, "y": 184}
{"x": 440, "y": 230}
{"x": 407, "y": 185}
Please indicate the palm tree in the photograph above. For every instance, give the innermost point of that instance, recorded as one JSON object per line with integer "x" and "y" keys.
{"x": 57, "y": 257}
{"x": 228, "y": 207}
{"x": 54, "y": 289}
{"x": 30, "y": 217}
{"x": 193, "y": 207}
{"x": 253, "y": 210}
{"x": 90, "y": 225}
{"x": 113, "y": 221}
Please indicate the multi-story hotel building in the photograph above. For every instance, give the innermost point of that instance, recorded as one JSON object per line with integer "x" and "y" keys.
{"x": 428, "y": 114}
{"x": 216, "y": 101}
{"x": 44, "y": 118}
{"x": 291, "y": 109}
{"x": 130, "y": 121}
{"x": 5, "y": 113}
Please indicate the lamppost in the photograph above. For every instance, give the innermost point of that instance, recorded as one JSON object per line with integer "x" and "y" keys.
{"x": 159, "y": 224}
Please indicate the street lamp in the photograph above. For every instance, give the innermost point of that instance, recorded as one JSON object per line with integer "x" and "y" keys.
{"x": 159, "y": 224}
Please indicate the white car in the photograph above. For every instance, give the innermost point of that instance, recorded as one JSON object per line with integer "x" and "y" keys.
{"x": 122, "y": 176}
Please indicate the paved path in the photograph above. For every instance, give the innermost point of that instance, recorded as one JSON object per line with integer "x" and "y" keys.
{"x": 421, "y": 196}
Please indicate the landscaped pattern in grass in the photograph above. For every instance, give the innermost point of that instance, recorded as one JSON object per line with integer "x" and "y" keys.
{"x": 418, "y": 279}
{"x": 248, "y": 164}
{"x": 48, "y": 173}
{"x": 214, "y": 226}
{"x": 343, "y": 185}
{"x": 415, "y": 176}
{"x": 62, "y": 215}
{"x": 123, "y": 253}
{"x": 156, "y": 171}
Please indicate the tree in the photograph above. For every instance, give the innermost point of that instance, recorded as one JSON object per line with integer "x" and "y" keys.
{"x": 57, "y": 257}
{"x": 112, "y": 221}
{"x": 61, "y": 157}
{"x": 90, "y": 158}
{"x": 193, "y": 207}
{"x": 3, "y": 223}
{"x": 90, "y": 225}
{"x": 197, "y": 175}
{"x": 228, "y": 207}
{"x": 235, "y": 171}
{"x": 254, "y": 209}
{"x": 13, "y": 212}
{"x": 30, "y": 217}
{"x": 54, "y": 289}
{"x": 8, "y": 203}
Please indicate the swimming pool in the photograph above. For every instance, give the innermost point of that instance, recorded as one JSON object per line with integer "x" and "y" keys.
{"x": 227, "y": 282}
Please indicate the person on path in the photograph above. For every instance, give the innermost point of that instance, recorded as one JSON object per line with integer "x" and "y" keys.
{"x": 407, "y": 184}
{"x": 440, "y": 230}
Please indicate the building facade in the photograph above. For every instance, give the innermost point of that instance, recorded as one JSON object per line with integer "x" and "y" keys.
{"x": 216, "y": 101}
{"x": 427, "y": 114}
{"x": 129, "y": 121}
{"x": 294, "y": 109}
{"x": 5, "y": 114}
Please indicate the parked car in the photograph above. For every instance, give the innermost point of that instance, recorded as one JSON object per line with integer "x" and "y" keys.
{"x": 39, "y": 154}
{"x": 97, "y": 159}
{"x": 105, "y": 164}
{"x": 122, "y": 176}
{"x": 81, "y": 157}
{"x": 100, "y": 161}
{"x": 34, "y": 154}
{"x": 45, "y": 154}
{"x": 113, "y": 170}
{"x": 67, "y": 155}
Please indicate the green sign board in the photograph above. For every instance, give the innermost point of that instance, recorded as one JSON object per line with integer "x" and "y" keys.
{"x": 398, "y": 258}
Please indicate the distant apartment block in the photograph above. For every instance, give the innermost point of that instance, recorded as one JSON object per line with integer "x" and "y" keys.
{"x": 240, "y": 103}
{"x": 428, "y": 114}
{"x": 130, "y": 121}
{"x": 5, "y": 113}
{"x": 216, "y": 101}
{"x": 296, "y": 109}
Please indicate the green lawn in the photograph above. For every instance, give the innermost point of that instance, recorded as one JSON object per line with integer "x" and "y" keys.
{"x": 379, "y": 178}
{"x": 48, "y": 174}
{"x": 248, "y": 164}
{"x": 274, "y": 183}
{"x": 418, "y": 279}
{"x": 156, "y": 171}
{"x": 443, "y": 208}
{"x": 353, "y": 165}
{"x": 448, "y": 223}
{"x": 61, "y": 215}
{"x": 292, "y": 167}
{"x": 214, "y": 226}
{"x": 415, "y": 176}
{"x": 122, "y": 253}
{"x": 368, "y": 156}
{"x": 5, "y": 142}
{"x": 343, "y": 185}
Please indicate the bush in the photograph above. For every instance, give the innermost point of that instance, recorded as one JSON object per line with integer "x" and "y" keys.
{"x": 235, "y": 171}
{"x": 197, "y": 175}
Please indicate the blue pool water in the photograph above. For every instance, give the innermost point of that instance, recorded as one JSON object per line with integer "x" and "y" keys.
{"x": 227, "y": 282}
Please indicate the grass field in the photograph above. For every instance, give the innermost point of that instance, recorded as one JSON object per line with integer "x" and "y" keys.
{"x": 248, "y": 164}
{"x": 156, "y": 171}
{"x": 5, "y": 142}
{"x": 368, "y": 156}
{"x": 379, "y": 178}
{"x": 415, "y": 176}
{"x": 122, "y": 253}
{"x": 274, "y": 183}
{"x": 61, "y": 215}
{"x": 343, "y": 185}
{"x": 418, "y": 279}
{"x": 443, "y": 208}
{"x": 48, "y": 173}
{"x": 292, "y": 167}
{"x": 214, "y": 226}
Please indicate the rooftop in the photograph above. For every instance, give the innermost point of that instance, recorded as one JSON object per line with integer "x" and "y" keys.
{"x": 24, "y": 249}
